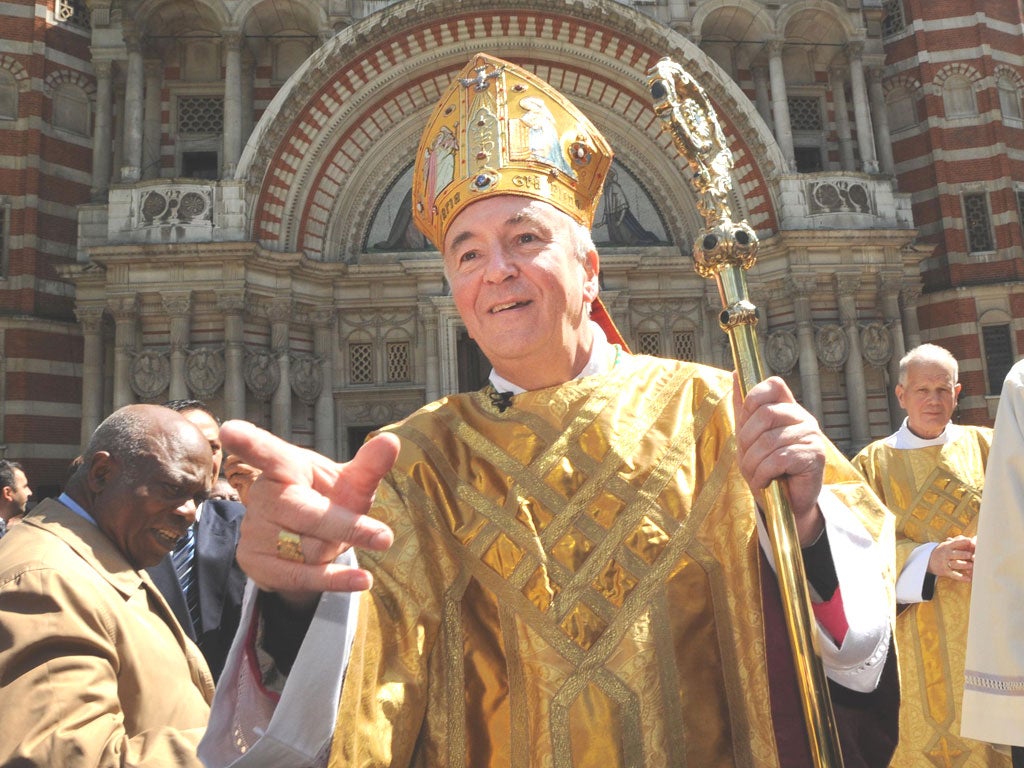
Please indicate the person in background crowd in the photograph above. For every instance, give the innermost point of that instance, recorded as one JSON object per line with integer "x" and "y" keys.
{"x": 223, "y": 491}
{"x": 94, "y": 668}
{"x": 201, "y": 578}
{"x": 240, "y": 475}
{"x": 14, "y": 493}
{"x": 993, "y": 708}
{"x": 566, "y": 567}
{"x": 931, "y": 473}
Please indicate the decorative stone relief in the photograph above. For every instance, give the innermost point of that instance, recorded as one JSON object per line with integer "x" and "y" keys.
{"x": 177, "y": 204}
{"x": 876, "y": 341}
{"x": 149, "y": 373}
{"x": 833, "y": 346}
{"x": 782, "y": 351}
{"x": 262, "y": 373}
{"x": 839, "y": 196}
{"x": 307, "y": 378}
{"x": 204, "y": 372}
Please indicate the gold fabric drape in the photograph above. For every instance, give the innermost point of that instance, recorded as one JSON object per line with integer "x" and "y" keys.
{"x": 574, "y": 582}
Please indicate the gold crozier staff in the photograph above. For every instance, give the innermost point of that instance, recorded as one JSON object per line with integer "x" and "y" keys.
{"x": 724, "y": 250}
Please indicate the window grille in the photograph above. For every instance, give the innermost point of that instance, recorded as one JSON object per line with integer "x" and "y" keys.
{"x": 685, "y": 345}
{"x": 998, "y": 355}
{"x": 398, "y": 361}
{"x": 73, "y": 12}
{"x": 977, "y": 224}
{"x": 893, "y": 21}
{"x": 360, "y": 363}
{"x": 650, "y": 343}
{"x": 805, "y": 113}
{"x": 200, "y": 114}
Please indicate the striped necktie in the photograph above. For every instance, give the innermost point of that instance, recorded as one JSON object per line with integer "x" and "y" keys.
{"x": 183, "y": 558}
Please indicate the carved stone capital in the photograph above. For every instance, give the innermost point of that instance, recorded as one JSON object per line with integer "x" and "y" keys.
{"x": 280, "y": 310}
{"x": 231, "y": 303}
{"x": 176, "y": 303}
{"x": 90, "y": 318}
{"x": 123, "y": 308}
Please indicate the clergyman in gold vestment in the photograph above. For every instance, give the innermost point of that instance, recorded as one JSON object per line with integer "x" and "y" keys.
{"x": 930, "y": 473}
{"x": 567, "y": 567}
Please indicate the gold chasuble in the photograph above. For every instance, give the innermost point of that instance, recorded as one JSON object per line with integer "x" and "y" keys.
{"x": 935, "y": 493}
{"x": 575, "y": 581}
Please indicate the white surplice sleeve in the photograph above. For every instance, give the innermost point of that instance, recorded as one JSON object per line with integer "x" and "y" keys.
{"x": 252, "y": 727}
{"x": 857, "y": 662}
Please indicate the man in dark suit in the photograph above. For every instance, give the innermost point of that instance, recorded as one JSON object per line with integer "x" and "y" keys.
{"x": 201, "y": 579}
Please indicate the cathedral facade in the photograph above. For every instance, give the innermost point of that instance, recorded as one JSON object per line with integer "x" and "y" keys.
{"x": 210, "y": 198}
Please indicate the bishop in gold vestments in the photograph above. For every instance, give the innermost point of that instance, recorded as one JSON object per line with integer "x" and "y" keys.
{"x": 576, "y": 576}
{"x": 576, "y": 581}
{"x": 935, "y": 492}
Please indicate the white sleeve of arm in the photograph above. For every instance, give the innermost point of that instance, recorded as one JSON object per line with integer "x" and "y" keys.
{"x": 859, "y": 562}
{"x": 251, "y": 727}
{"x": 910, "y": 584}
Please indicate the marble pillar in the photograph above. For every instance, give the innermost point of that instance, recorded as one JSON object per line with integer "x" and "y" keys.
{"x": 846, "y": 157}
{"x": 232, "y": 307}
{"x": 232, "y": 102}
{"x": 861, "y": 111}
{"x": 847, "y": 286}
{"x": 176, "y": 305}
{"x": 134, "y": 88}
{"x": 103, "y": 132}
{"x": 91, "y": 320}
{"x": 810, "y": 383}
{"x": 780, "y": 103}
{"x": 880, "y": 119}
{"x": 125, "y": 312}
{"x": 279, "y": 313}
{"x": 325, "y": 440}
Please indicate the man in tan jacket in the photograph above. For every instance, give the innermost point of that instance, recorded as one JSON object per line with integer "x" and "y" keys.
{"x": 94, "y": 668}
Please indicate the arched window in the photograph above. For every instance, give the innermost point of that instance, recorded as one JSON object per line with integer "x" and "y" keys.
{"x": 71, "y": 109}
{"x": 1009, "y": 97}
{"x": 901, "y": 105}
{"x": 8, "y": 96}
{"x": 958, "y": 97}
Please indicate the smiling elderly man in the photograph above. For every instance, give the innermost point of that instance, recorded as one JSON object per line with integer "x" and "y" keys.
{"x": 94, "y": 668}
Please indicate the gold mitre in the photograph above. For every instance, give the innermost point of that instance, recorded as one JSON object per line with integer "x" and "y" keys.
{"x": 500, "y": 130}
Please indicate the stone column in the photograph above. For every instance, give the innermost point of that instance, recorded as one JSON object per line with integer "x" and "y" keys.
{"x": 861, "y": 113}
{"x": 846, "y": 157}
{"x": 780, "y": 102}
{"x": 880, "y": 119}
{"x": 102, "y": 138}
{"x": 125, "y": 312}
{"x": 810, "y": 383}
{"x": 856, "y": 387}
{"x": 177, "y": 305}
{"x": 325, "y": 440}
{"x": 432, "y": 369}
{"x": 248, "y": 78}
{"x": 762, "y": 99}
{"x": 279, "y": 314}
{"x": 911, "y": 329}
{"x": 232, "y": 102}
{"x": 232, "y": 306}
{"x": 131, "y": 170}
{"x": 890, "y": 295}
{"x": 91, "y": 320}
{"x": 151, "y": 122}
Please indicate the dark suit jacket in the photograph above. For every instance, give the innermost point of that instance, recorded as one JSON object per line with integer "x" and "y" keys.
{"x": 220, "y": 582}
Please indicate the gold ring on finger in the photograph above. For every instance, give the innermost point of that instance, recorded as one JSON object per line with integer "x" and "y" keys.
{"x": 289, "y": 546}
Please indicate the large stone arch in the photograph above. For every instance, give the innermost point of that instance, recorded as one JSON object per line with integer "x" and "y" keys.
{"x": 209, "y": 12}
{"x": 349, "y": 120}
